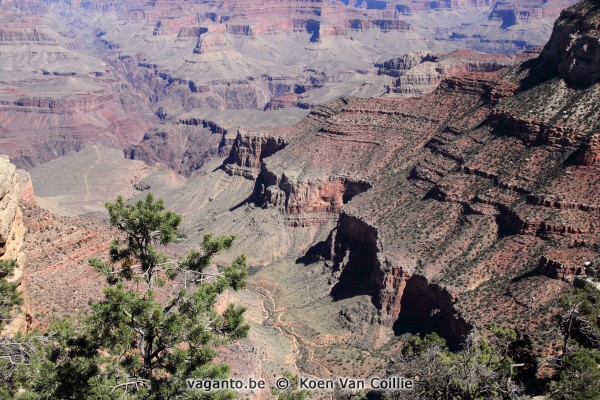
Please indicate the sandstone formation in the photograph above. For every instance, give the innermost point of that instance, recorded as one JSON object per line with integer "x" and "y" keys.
{"x": 105, "y": 76}
{"x": 53, "y": 98}
{"x": 421, "y": 73}
{"x": 525, "y": 11}
{"x": 448, "y": 219}
{"x": 367, "y": 218}
{"x": 248, "y": 151}
{"x": 11, "y": 223}
{"x": 14, "y": 189}
{"x": 589, "y": 153}
{"x": 573, "y": 48}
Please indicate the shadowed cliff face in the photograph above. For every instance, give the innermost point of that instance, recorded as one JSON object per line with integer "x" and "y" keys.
{"x": 411, "y": 303}
{"x": 355, "y": 251}
{"x": 426, "y": 308}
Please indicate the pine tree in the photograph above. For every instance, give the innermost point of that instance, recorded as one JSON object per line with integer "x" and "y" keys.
{"x": 579, "y": 376}
{"x": 10, "y": 351}
{"x": 131, "y": 345}
{"x": 9, "y": 296}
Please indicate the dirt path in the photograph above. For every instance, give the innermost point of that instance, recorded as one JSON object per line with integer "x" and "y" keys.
{"x": 303, "y": 348}
{"x": 85, "y": 175}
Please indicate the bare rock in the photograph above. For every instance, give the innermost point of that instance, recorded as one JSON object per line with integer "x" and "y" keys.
{"x": 574, "y": 48}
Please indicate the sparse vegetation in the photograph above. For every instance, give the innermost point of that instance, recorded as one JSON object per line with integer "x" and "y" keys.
{"x": 293, "y": 392}
{"x": 578, "y": 375}
{"x": 9, "y": 296}
{"x": 480, "y": 370}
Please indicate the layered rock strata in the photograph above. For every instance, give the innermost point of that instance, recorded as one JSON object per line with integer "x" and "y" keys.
{"x": 469, "y": 202}
{"x": 421, "y": 73}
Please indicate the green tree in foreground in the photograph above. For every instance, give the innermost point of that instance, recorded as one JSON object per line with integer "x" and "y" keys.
{"x": 131, "y": 345}
{"x": 9, "y": 296}
{"x": 480, "y": 370}
{"x": 10, "y": 352}
{"x": 579, "y": 376}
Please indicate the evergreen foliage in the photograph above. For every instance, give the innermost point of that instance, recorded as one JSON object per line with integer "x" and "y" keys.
{"x": 579, "y": 376}
{"x": 135, "y": 344}
{"x": 9, "y": 296}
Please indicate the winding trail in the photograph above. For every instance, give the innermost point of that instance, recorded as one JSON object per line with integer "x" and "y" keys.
{"x": 87, "y": 172}
{"x": 303, "y": 348}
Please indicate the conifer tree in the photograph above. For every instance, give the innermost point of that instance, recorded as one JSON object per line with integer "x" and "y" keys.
{"x": 137, "y": 343}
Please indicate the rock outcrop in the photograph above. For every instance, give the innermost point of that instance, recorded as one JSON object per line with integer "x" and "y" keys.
{"x": 183, "y": 147}
{"x": 421, "y": 73}
{"x": 15, "y": 190}
{"x": 574, "y": 49}
{"x": 248, "y": 151}
{"x": 565, "y": 264}
{"x": 296, "y": 195}
{"x": 590, "y": 152}
{"x": 11, "y": 221}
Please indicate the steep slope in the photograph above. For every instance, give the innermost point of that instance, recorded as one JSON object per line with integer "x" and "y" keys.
{"x": 14, "y": 189}
{"x": 370, "y": 217}
{"x": 11, "y": 220}
{"x": 461, "y": 206}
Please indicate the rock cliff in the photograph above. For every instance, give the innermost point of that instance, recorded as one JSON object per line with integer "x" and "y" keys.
{"x": 12, "y": 227}
{"x": 421, "y": 73}
{"x": 573, "y": 49}
{"x": 11, "y": 220}
{"x": 478, "y": 210}
{"x": 103, "y": 78}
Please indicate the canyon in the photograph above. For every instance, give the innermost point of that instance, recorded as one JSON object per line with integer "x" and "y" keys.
{"x": 382, "y": 176}
{"x": 116, "y": 73}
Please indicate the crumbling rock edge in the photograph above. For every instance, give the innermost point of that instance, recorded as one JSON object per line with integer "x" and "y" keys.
{"x": 409, "y": 302}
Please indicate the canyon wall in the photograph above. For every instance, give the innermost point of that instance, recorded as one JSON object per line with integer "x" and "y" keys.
{"x": 573, "y": 49}
{"x": 14, "y": 189}
{"x": 473, "y": 203}
{"x": 105, "y": 76}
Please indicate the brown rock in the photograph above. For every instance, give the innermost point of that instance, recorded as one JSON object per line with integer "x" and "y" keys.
{"x": 573, "y": 47}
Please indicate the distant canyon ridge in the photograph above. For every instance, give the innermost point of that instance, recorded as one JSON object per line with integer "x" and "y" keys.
{"x": 139, "y": 75}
